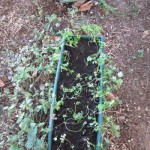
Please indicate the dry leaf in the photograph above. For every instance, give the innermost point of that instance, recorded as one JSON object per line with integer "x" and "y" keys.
{"x": 34, "y": 74}
{"x": 4, "y": 78}
{"x": 86, "y": 6}
{"x": 79, "y": 3}
{"x": 111, "y": 96}
{"x": 56, "y": 38}
{"x": 43, "y": 78}
{"x": 2, "y": 84}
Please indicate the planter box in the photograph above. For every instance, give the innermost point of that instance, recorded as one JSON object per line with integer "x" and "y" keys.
{"x": 68, "y": 1}
{"x": 73, "y": 89}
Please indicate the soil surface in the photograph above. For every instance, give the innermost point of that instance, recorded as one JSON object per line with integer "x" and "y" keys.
{"x": 126, "y": 31}
{"x": 126, "y": 36}
{"x": 78, "y": 133}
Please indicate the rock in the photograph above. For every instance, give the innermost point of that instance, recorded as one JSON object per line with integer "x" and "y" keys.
{"x": 146, "y": 33}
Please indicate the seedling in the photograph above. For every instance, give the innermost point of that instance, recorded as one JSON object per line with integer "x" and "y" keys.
{"x": 92, "y": 30}
{"x": 107, "y": 7}
{"x": 140, "y": 54}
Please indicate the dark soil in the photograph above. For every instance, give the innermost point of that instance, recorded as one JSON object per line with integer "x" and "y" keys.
{"x": 78, "y": 57}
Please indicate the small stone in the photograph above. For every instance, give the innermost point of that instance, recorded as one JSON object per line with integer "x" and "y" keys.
{"x": 138, "y": 108}
{"x": 42, "y": 86}
{"x": 132, "y": 140}
{"x": 57, "y": 24}
{"x": 96, "y": 3}
{"x": 129, "y": 141}
{"x": 14, "y": 84}
{"x": 140, "y": 93}
{"x": 9, "y": 77}
{"x": 146, "y": 109}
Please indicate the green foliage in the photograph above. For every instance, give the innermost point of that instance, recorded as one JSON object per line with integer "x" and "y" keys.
{"x": 76, "y": 90}
{"x": 110, "y": 127}
{"x": 107, "y": 7}
{"x": 141, "y": 53}
{"x": 92, "y": 29}
{"x": 50, "y": 19}
{"x": 14, "y": 147}
{"x": 78, "y": 116}
{"x": 58, "y": 104}
{"x": 31, "y": 136}
{"x": 72, "y": 12}
{"x": 33, "y": 86}
{"x": 71, "y": 40}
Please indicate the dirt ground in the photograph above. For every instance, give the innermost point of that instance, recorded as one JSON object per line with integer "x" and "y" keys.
{"x": 127, "y": 36}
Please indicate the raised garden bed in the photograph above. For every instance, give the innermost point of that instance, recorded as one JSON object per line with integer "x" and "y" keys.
{"x": 78, "y": 120}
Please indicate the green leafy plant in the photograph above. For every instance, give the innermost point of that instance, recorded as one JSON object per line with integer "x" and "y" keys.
{"x": 107, "y": 7}
{"x": 78, "y": 116}
{"x": 92, "y": 29}
{"x": 140, "y": 54}
{"x": 33, "y": 86}
{"x": 76, "y": 90}
{"x": 50, "y": 19}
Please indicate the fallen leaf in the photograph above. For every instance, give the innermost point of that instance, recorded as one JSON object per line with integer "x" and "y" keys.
{"x": 44, "y": 78}
{"x": 56, "y": 38}
{"x": 4, "y": 78}
{"x": 79, "y": 3}
{"x": 111, "y": 96}
{"x": 2, "y": 84}
{"x": 34, "y": 74}
{"x": 86, "y": 6}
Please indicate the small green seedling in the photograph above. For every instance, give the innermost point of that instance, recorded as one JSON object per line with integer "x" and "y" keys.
{"x": 140, "y": 54}
{"x": 92, "y": 29}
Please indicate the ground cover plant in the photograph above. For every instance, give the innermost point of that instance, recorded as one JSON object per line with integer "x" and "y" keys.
{"x": 32, "y": 91}
{"x": 32, "y": 87}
